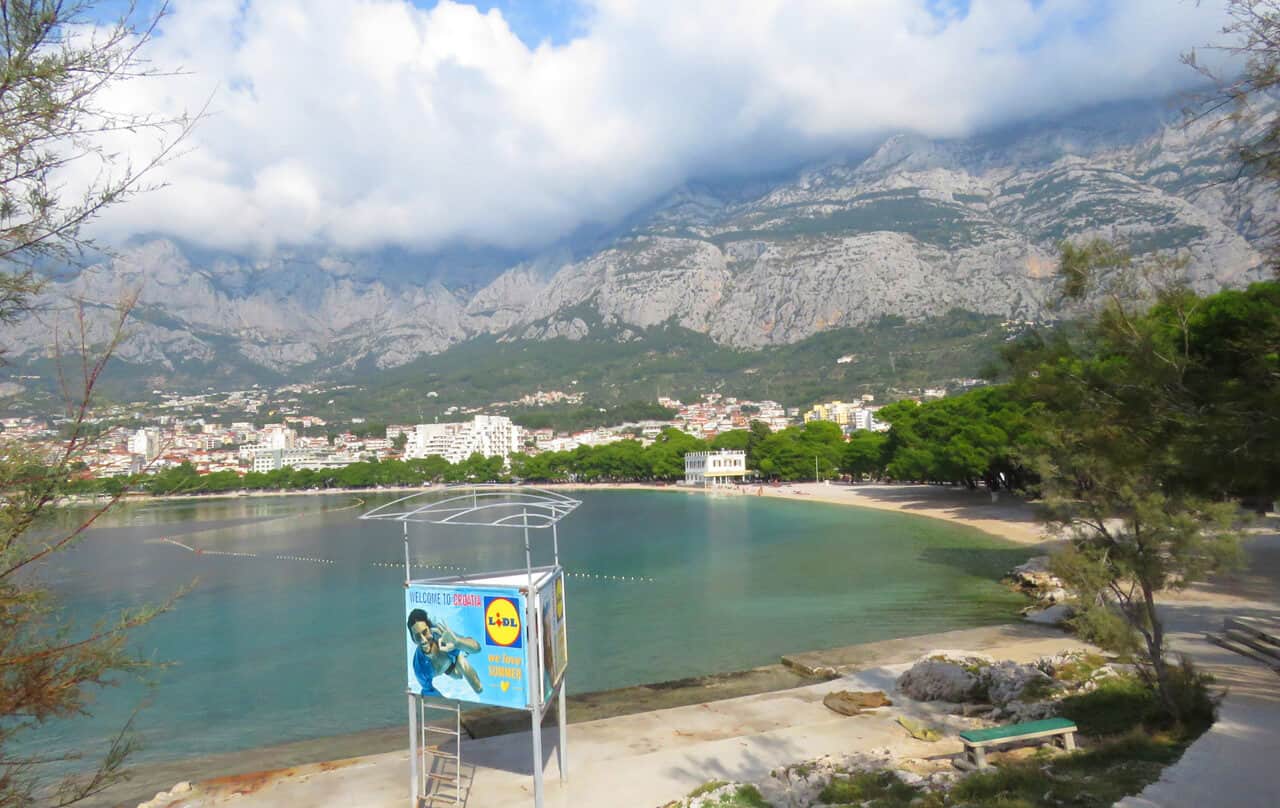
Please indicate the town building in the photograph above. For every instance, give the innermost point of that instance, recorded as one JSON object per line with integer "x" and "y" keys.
{"x": 145, "y": 443}
{"x": 714, "y": 468}
{"x": 838, "y": 412}
{"x": 488, "y": 435}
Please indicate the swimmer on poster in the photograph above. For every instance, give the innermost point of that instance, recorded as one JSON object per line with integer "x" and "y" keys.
{"x": 440, "y": 652}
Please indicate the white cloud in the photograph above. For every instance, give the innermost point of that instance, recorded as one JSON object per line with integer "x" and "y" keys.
{"x": 364, "y": 123}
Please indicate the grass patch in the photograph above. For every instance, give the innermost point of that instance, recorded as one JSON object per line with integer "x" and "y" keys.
{"x": 707, "y": 788}
{"x": 744, "y": 797}
{"x": 1037, "y": 690}
{"x": 1097, "y": 777}
{"x": 1079, "y": 669}
{"x": 1118, "y": 705}
{"x": 875, "y": 789}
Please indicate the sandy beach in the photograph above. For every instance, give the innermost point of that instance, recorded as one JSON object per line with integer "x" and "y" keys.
{"x": 1007, "y": 516}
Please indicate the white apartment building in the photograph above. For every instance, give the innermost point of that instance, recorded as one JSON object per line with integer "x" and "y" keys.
{"x": 146, "y": 443}
{"x": 865, "y": 418}
{"x": 487, "y": 434}
{"x": 714, "y": 468}
{"x": 278, "y": 436}
{"x": 265, "y": 460}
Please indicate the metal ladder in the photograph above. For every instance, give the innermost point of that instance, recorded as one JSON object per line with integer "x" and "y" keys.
{"x": 433, "y": 762}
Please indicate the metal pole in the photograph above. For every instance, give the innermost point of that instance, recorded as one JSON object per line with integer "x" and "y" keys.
{"x": 408, "y": 574}
{"x": 413, "y": 753}
{"x": 534, "y": 680}
{"x": 564, "y": 684}
{"x": 457, "y": 731}
{"x": 561, "y": 757}
{"x": 562, "y": 753}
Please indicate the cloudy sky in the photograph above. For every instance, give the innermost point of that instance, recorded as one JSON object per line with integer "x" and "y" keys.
{"x": 357, "y": 124}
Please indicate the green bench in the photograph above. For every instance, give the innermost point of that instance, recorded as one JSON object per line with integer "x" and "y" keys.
{"x": 976, "y": 740}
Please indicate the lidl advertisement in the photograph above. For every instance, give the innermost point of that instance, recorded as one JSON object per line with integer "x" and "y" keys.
{"x": 467, "y": 644}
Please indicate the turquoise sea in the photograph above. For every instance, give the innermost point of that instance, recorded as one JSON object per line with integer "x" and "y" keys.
{"x": 265, "y": 650}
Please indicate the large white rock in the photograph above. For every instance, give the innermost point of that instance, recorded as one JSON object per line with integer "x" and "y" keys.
{"x": 1055, "y": 615}
{"x": 944, "y": 676}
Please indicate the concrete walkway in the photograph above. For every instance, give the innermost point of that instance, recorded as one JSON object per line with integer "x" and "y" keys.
{"x": 1236, "y": 764}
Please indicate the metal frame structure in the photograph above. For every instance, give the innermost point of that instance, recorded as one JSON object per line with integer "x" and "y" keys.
{"x": 485, "y": 506}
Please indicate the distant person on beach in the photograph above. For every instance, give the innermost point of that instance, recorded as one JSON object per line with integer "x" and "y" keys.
{"x": 440, "y": 652}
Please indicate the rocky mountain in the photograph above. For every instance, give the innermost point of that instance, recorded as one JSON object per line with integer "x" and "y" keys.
{"x": 915, "y": 228}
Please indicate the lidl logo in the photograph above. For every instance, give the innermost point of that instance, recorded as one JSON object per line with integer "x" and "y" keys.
{"x": 501, "y": 622}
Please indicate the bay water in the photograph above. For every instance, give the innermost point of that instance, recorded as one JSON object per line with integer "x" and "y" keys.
{"x": 305, "y": 637}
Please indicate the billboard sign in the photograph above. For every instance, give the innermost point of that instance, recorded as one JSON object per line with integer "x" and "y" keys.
{"x": 552, "y": 633}
{"x": 467, "y": 643}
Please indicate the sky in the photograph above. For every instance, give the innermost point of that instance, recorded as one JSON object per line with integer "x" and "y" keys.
{"x": 361, "y": 124}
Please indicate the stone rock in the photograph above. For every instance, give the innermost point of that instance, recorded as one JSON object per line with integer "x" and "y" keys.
{"x": 180, "y": 788}
{"x": 1005, "y": 681}
{"x": 909, "y": 777}
{"x": 1019, "y": 711}
{"x": 1035, "y": 575}
{"x": 944, "y": 676}
{"x": 1054, "y": 615}
{"x": 852, "y": 702}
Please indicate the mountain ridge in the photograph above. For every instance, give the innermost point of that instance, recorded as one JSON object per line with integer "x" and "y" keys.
{"x": 914, "y": 228}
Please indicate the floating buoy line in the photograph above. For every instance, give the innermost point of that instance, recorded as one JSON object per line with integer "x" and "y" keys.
{"x": 590, "y": 576}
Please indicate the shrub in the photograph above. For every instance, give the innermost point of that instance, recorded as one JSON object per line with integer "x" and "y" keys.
{"x": 1122, "y": 703}
{"x": 1097, "y": 777}
{"x": 879, "y": 788}
{"x": 707, "y": 787}
{"x": 1195, "y": 703}
{"x": 1118, "y": 705}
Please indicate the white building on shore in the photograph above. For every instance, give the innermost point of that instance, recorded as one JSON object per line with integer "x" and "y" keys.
{"x": 714, "y": 468}
{"x": 487, "y": 434}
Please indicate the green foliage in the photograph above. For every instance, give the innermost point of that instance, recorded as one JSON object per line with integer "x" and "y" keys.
{"x": 1121, "y": 704}
{"x": 59, "y": 62}
{"x": 1118, "y": 705}
{"x": 746, "y": 796}
{"x": 882, "y": 789}
{"x": 1123, "y": 416}
{"x": 797, "y": 452}
{"x": 736, "y": 439}
{"x": 1080, "y": 266}
{"x": 1099, "y": 777}
{"x": 576, "y": 419}
{"x": 865, "y": 455}
{"x": 707, "y": 788}
{"x": 668, "y": 359}
{"x": 962, "y": 439}
{"x": 743, "y": 796}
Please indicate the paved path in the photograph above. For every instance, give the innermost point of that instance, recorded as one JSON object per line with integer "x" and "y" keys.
{"x": 1236, "y": 764}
